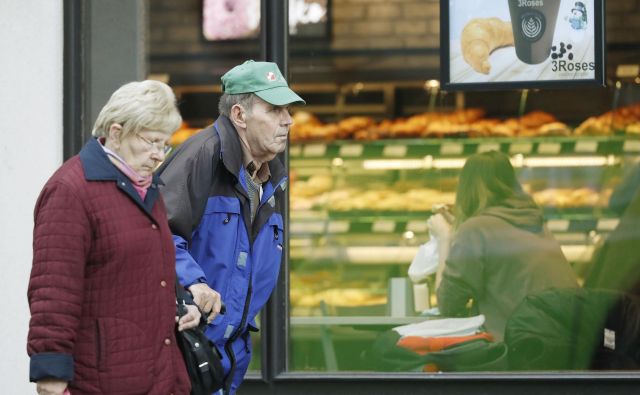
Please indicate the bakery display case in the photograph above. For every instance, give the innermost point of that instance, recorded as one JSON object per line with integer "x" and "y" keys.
{"x": 362, "y": 190}
{"x": 368, "y": 161}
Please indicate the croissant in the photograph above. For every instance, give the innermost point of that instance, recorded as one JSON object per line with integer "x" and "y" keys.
{"x": 480, "y": 37}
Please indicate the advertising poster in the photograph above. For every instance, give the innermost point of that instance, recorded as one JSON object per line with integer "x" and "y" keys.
{"x": 240, "y": 19}
{"x": 521, "y": 40}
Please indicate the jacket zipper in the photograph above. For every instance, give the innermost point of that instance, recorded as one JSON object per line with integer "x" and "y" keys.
{"x": 228, "y": 347}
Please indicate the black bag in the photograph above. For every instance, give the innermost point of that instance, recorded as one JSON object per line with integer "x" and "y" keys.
{"x": 201, "y": 358}
{"x": 575, "y": 329}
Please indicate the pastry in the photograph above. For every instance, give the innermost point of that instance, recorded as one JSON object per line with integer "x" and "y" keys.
{"x": 554, "y": 129}
{"x": 480, "y": 37}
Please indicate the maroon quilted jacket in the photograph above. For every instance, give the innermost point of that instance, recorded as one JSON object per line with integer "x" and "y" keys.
{"x": 101, "y": 292}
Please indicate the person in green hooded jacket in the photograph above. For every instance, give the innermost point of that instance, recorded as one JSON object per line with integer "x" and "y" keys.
{"x": 497, "y": 250}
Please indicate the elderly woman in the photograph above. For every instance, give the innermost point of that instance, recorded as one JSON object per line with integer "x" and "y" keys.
{"x": 499, "y": 251}
{"x": 102, "y": 289}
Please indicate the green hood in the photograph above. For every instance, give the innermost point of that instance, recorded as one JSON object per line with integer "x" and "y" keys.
{"x": 521, "y": 212}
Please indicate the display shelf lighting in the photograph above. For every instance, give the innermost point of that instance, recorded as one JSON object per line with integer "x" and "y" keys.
{"x": 569, "y": 161}
{"x": 408, "y": 235}
{"x": 518, "y": 161}
{"x": 431, "y": 85}
{"x": 428, "y": 162}
{"x": 449, "y": 163}
{"x": 433, "y": 88}
{"x": 373, "y": 254}
{"x": 397, "y": 164}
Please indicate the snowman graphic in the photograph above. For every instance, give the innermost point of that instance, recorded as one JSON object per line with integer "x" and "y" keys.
{"x": 578, "y": 17}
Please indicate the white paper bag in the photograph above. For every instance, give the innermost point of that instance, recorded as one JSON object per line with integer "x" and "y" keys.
{"x": 425, "y": 262}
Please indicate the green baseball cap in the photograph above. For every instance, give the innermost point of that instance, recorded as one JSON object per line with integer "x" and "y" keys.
{"x": 261, "y": 78}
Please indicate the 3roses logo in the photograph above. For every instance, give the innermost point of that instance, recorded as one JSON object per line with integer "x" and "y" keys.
{"x": 557, "y": 52}
{"x": 271, "y": 76}
{"x": 560, "y": 64}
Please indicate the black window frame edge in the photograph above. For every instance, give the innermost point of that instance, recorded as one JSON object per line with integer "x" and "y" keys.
{"x": 274, "y": 45}
{"x": 548, "y": 384}
{"x": 74, "y": 67}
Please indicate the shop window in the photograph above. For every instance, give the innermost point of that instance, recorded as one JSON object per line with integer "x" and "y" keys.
{"x": 372, "y": 167}
{"x": 379, "y": 149}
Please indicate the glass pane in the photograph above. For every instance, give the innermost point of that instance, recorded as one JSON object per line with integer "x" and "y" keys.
{"x": 377, "y": 155}
{"x": 379, "y": 145}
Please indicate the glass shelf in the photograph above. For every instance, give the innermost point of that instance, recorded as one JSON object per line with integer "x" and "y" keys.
{"x": 582, "y": 220}
{"x": 419, "y": 148}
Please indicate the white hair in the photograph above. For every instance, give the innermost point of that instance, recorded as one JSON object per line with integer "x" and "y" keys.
{"x": 227, "y": 101}
{"x": 138, "y": 106}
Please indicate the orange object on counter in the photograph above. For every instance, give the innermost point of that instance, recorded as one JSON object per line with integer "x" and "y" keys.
{"x": 430, "y": 368}
{"x": 425, "y": 345}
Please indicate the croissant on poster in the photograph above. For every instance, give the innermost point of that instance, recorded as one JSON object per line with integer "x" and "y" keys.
{"x": 480, "y": 37}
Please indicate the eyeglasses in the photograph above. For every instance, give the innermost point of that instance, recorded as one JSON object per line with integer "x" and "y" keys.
{"x": 158, "y": 146}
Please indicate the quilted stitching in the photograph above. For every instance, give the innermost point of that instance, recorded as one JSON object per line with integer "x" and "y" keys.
{"x": 96, "y": 289}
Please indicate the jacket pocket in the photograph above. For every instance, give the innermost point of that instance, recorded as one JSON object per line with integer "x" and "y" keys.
{"x": 275, "y": 223}
{"x": 217, "y": 236}
{"x": 125, "y": 357}
{"x": 268, "y": 249}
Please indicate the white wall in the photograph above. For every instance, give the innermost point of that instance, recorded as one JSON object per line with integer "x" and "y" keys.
{"x": 31, "y": 43}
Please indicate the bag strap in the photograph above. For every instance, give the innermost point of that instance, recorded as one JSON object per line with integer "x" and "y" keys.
{"x": 182, "y": 295}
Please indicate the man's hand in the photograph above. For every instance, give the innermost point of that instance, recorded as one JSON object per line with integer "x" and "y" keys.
{"x": 207, "y": 299}
{"x": 51, "y": 387}
{"x": 190, "y": 319}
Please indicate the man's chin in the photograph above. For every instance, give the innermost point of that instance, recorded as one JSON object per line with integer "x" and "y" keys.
{"x": 275, "y": 153}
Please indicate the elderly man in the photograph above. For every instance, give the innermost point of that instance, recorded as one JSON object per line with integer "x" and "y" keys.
{"x": 224, "y": 190}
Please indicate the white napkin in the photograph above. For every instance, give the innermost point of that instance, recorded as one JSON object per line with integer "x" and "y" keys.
{"x": 443, "y": 327}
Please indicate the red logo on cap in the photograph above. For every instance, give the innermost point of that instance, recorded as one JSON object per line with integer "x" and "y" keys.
{"x": 271, "y": 76}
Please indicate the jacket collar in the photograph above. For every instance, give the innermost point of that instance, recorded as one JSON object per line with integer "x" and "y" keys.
{"x": 231, "y": 152}
{"x": 231, "y": 156}
{"x": 98, "y": 167}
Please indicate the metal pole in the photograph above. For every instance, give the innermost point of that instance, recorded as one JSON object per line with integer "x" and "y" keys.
{"x": 275, "y": 315}
{"x": 275, "y": 33}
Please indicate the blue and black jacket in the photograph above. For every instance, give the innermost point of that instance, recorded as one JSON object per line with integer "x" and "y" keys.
{"x": 209, "y": 214}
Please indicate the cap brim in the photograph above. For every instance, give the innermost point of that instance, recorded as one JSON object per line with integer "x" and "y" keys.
{"x": 280, "y": 96}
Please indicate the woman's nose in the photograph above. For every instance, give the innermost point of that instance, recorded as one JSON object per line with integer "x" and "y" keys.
{"x": 158, "y": 155}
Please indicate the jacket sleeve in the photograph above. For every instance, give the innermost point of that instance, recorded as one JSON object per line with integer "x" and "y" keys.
{"x": 61, "y": 240}
{"x": 182, "y": 295}
{"x": 188, "y": 270}
{"x": 462, "y": 278}
{"x": 188, "y": 177}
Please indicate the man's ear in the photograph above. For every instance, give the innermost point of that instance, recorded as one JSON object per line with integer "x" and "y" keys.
{"x": 238, "y": 116}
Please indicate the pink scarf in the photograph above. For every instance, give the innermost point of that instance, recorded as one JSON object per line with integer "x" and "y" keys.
{"x": 140, "y": 183}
